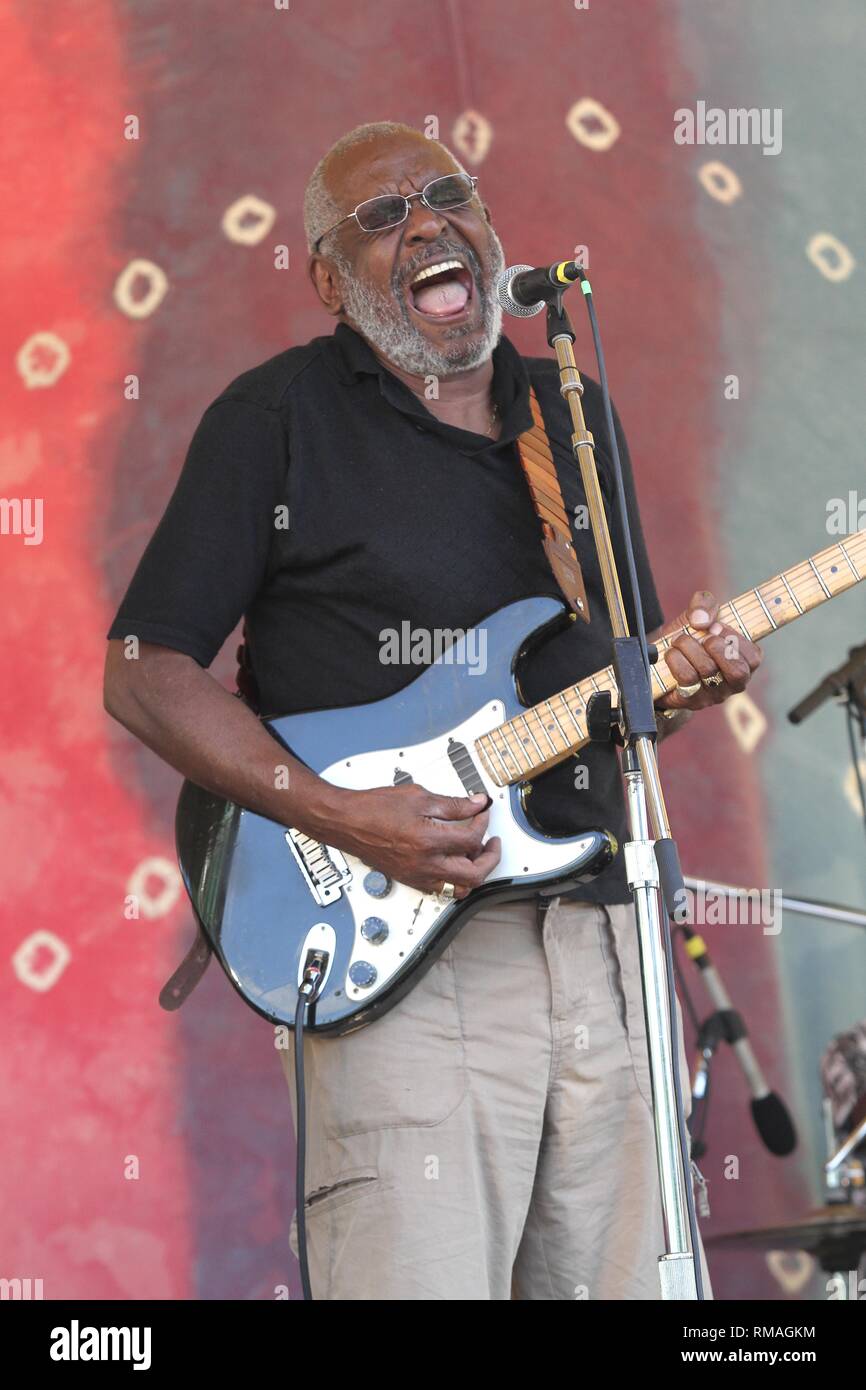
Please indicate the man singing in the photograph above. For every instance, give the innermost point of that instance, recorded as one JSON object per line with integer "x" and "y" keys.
{"x": 491, "y": 1136}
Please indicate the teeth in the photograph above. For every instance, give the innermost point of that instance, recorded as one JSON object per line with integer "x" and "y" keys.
{"x": 437, "y": 269}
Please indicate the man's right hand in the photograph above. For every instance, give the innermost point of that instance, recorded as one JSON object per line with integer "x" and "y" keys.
{"x": 185, "y": 715}
{"x": 419, "y": 838}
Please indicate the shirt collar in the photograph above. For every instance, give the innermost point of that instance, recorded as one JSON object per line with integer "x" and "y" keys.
{"x": 353, "y": 359}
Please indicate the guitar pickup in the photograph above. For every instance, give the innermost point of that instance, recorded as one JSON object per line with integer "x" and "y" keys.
{"x": 323, "y": 867}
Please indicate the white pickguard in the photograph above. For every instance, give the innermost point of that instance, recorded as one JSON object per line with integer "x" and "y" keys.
{"x": 410, "y": 915}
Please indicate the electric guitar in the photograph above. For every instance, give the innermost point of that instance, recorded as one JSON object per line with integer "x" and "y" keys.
{"x": 266, "y": 897}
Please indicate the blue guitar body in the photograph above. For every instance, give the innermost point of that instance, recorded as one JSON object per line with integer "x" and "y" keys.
{"x": 267, "y": 896}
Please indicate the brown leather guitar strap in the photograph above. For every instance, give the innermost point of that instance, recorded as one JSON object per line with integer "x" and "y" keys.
{"x": 540, "y": 472}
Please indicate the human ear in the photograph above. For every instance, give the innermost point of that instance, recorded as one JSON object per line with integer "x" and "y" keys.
{"x": 326, "y": 282}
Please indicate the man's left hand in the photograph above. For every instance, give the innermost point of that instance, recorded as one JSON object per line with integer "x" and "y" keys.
{"x": 720, "y": 663}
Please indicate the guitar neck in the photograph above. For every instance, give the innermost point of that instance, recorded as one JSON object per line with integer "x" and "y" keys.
{"x": 545, "y": 734}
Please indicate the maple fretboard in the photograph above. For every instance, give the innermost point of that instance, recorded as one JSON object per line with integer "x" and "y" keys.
{"x": 545, "y": 734}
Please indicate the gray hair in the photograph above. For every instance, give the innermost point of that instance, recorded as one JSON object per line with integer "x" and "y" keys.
{"x": 320, "y": 209}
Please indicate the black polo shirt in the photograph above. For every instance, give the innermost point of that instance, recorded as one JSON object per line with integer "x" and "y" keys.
{"x": 321, "y": 500}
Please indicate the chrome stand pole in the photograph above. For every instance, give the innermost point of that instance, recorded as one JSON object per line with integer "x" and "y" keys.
{"x": 677, "y": 1272}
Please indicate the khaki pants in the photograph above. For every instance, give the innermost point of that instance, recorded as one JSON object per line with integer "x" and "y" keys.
{"x": 491, "y": 1136}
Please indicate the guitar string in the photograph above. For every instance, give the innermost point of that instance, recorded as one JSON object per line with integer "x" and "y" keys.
{"x": 751, "y": 615}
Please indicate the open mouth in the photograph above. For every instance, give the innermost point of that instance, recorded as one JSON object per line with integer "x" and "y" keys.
{"x": 442, "y": 290}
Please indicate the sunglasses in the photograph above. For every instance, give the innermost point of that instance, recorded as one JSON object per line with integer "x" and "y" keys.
{"x": 389, "y": 210}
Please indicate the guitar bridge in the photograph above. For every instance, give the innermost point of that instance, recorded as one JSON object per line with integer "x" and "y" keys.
{"x": 324, "y": 868}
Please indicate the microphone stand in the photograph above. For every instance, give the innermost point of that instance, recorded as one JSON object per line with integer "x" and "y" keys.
{"x": 848, "y": 685}
{"x": 848, "y": 680}
{"x": 652, "y": 864}
{"x": 769, "y": 1112}
{"x": 709, "y": 1035}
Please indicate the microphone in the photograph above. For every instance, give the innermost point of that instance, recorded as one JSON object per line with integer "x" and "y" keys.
{"x": 852, "y": 672}
{"x": 769, "y": 1112}
{"x": 525, "y": 290}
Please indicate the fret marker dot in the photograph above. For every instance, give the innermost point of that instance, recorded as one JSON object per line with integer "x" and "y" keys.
{"x": 777, "y": 600}
{"x": 832, "y": 569}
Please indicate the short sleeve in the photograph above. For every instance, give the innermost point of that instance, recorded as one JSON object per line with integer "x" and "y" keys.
{"x": 652, "y": 609}
{"x": 209, "y": 553}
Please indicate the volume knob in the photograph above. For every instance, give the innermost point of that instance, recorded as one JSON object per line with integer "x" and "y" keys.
{"x": 378, "y": 885}
{"x": 374, "y": 930}
{"x": 362, "y": 974}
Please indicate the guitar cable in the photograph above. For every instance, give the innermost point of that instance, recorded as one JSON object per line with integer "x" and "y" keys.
{"x": 311, "y": 982}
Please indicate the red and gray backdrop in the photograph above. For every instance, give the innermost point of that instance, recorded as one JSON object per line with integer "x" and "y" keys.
{"x": 154, "y": 162}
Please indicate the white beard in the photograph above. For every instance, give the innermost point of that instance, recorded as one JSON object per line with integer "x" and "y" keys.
{"x": 384, "y": 321}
